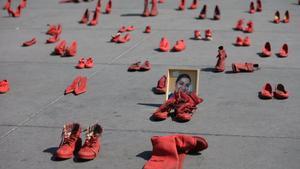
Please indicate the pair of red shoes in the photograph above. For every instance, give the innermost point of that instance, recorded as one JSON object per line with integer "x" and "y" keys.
{"x": 217, "y": 13}
{"x": 252, "y": 9}
{"x": 183, "y": 104}
{"x": 286, "y": 18}
{"x": 279, "y": 93}
{"x": 71, "y": 142}
{"x": 244, "y": 67}
{"x": 248, "y": 29}
{"x": 18, "y": 11}
{"x": 267, "y": 52}
{"x": 139, "y": 67}
{"x": 154, "y": 9}
{"x": 147, "y": 29}
{"x": 54, "y": 31}
{"x": 62, "y": 49}
{"x": 208, "y": 35}
{"x": 78, "y": 86}
{"x": 194, "y": 5}
{"x": 86, "y": 16}
{"x": 29, "y": 42}
{"x": 4, "y": 86}
{"x": 164, "y": 45}
{"x": 126, "y": 29}
{"x": 243, "y": 42}
{"x": 161, "y": 85}
{"x": 118, "y": 39}
{"x": 89, "y": 63}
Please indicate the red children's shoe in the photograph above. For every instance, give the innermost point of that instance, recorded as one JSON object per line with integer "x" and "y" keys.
{"x": 252, "y": 8}
{"x": 247, "y": 41}
{"x": 239, "y": 25}
{"x": 124, "y": 39}
{"x": 72, "y": 50}
{"x": 81, "y": 86}
{"x": 286, "y": 18}
{"x": 53, "y": 39}
{"x": 116, "y": 37}
{"x": 164, "y": 45}
{"x": 266, "y": 92}
{"x": 95, "y": 19}
{"x": 258, "y": 6}
{"x": 92, "y": 144}
{"x": 208, "y": 34}
{"x": 249, "y": 28}
{"x": 108, "y": 7}
{"x": 276, "y": 17}
{"x": 266, "y": 51}
{"x": 154, "y": 9}
{"x": 197, "y": 34}
{"x": 7, "y": 5}
{"x": 280, "y": 92}
{"x": 217, "y": 13}
{"x": 145, "y": 66}
{"x": 72, "y": 86}
{"x": 181, "y": 5}
{"x": 85, "y": 17}
{"x": 89, "y": 63}
{"x": 60, "y": 48}
{"x": 30, "y": 42}
{"x": 179, "y": 46}
{"x": 70, "y": 141}
{"x": 134, "y": 67}
{"x": 194, "y": 5}
{"x": 202, "y": 14}
{"x": 239, "y": 41}
{"x": 161, "y": 85}
{"x": 146, "y": 9}
{"x": 4, "y": 86}
{"x": 130, "y": 28}
{"x": 147, "y": 29}
{"x": 80, "y": 64}
{"x": 284, "y": 51}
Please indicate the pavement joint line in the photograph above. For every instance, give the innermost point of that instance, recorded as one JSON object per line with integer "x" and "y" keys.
{"x": 31, "y": 116}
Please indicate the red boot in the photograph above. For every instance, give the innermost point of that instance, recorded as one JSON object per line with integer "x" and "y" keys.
{"x": 53, "y": 39}
{"x": 239, "y": 25}
{"x": 249, "y": 28}
{"x": 266, "y": 92}
{"x": 89, "y": 63}
{"x": 161, "y": 85}
{"x": 197, "y": 34}
{"x": 70, "y": 141}
{"x": 60, "y": 48}
{"x": 92, "y": 144}
{"x": 80, "y": 64}
{"x": 181, "y": 5}
{"x": 147, "y": 29}
{"x": 154, "y": 10}
{"x": 258, "y": 6}
{"x": 108, "y": 7}
{"x": 202, "y": 14}
{"x": 194, "y": 5}
{"x": 145, "y": 66}
{"x": 286, "y": 18}
{"x": 85, "y": 17}
{"x": 239, "y": 41}
{"x": 30, "y": 42}
{"x": 72, "y": 50}
{"x": 4, "y": 86}
{"x": 217, "y": 13}
{"x": 164, "y": 45}
{"x": 276, "y": 17}
{"x": 280, "y": 92}
{"x": 71, "y": 87}
{"x": 220, "y": 66}
{"x": 208, "y": 34}
{"x": 81, "y": 86}
{"x": 179, "y": 46}
{"x": 266, "y": 51}
{"x": 247, "y": 41}
{"x": 252, "y": 8}
{"x": 284, "y": 51}
{"x": 146, "y": 9}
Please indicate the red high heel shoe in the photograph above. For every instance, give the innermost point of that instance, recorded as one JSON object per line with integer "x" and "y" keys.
{"x": 60, "y": 48}
{"x": 147, "y": 29}
{"x": 85, "y": 17}
{"x": 134, "y": 67}
{"x": 179, "y": 46}
{"x": 197, "y": 34}
{"x": 95, "y": 18}
{"x": 194, "y": 5}
{"x": 124, "y": 39}
{"x": 252, "y": 8}
{"x": 284, "y": 51}
{"x": 276, "y": 17}
{"x": 202, "y": 14}
{"x": 164, "y": 45}
{"x": 108, "y": 7}
{"x": 30, "y": 42}
{"x": 239, "y": 41}
{"x": 154, "y": 10}
{"x": 239, "y": 25}
{"x": 4, "y": 86}
{"x": 80, "y": 64}
{"x": 266, "y": 92}
{"x": 280, "y": 92}
{"x": 81, "y": 86}
{"x": 89, "y": 63}
{"x": 247, "y": 41}
{"x": 72, "y": 50}
{"x": 286, "y": 18}
{"x": 181, "y": 5}
{"x": 258, "y": 6}
{"x": 208, "y": 34}
{"x": 146, "y": 9}
{"x": 145, "y": 66}
{"x": 266, "y": 51}
{"x": 217, "y": 13}
{"x": 161, "y": 85}
{"x": 53, "y": 39}
{"x": 249, "y": 28}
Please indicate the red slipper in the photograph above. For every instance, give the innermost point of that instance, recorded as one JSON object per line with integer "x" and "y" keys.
{"x": 145, "y": 66}
{"x": 72, "y": 50}
{"x": 53, "y": 39}
{"x": 147, "y": 29}
{"x": 217, "y": 13}
{"x": 164, "y": 45}
{"x": 85, "y": 17}
{"x": 124, "y": 39}
{"x": 286, "y": 18}
{"x": 154, "y": 10}
{"x": 30, "y": 42}
{"x": 4, "y": 86}
{"x": 239, "y": 25}
{"x": 208, "y": 34}
{"x": 72, "y": 87}
{"x": 60, "y": 48}
{"x": 239, "y": 41}
{"x": 251, "y": 8}
{"x": 161, "y": 85}
{"x": 81, "y": 86}
{"x": 266, "y": 51}
{"x": 80, "y": 64}
{"x": 202, "y": 14}
{"x": 284, "y": 51}
{"x": 258, "y": 6}
{"x": 89, "y": 63}
{"x": 181, "y": 5}
{"x": 130, "y": 28}
{"x": 108, "y": 7}
{"x": 247, "y": 41}
{"x": 266, "y": 92}
{"x": 280, "y": 92}
{"x": 134, "y": 67}
{"x": 194, "y": 4}
{"x": 197, "y": 34}
{"x": 276, "y": 17}
{"x": 179, "y": 46}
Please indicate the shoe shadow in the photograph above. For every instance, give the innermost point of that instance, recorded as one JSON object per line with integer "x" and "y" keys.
{"x": 260, "y": 54}
{"x": 149, "y": 104}
{"x": 53, "y": 54}
{"x": 236, "y": 29}
{"x": 193, "y": 38}
{"x": 230, "y": 72}
{"x": 278, "y": 55}
{"x": 52, "y": 151}
{"x": 208, "y": 69}
{"x": 157, "y": 50}
{"x": 154, "y": 91}
{"x": 78, "y": 160}
{"x": 146, "y": 155}
{"x": 152, "y": 119}
{"x": 131, "y": 14}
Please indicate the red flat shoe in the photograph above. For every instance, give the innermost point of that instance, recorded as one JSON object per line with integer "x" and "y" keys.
{"x": 194, "y": 5}
{"x": 266, "y": 51}
{"x": 286, "y": 18}
{"x": 154, "y": 10}
{"x": 164, "y": 45}
{"x": 30, "y": 42}
{"x": 122, "y": 29}
{"x": 208, "y": 34}
{"x": 124, "y": 39}
{"x": 249, "y": 28}
{"x": 60, "y": 48}
{"x": 266, "y": 92}
{"x": 134, "y": 67}
{"x": 145, "y": 66}
{"x": 53, "y": 39}
{"x": 130, "y": 28}
{"x": 161, "y": 85}
{"x": 247, "y": 41}
{"x": 72, "y": 86}
{"x": 4, "y": 86}
{"x": 280, "y": 92}
{"x": 108, "y": 7}
{"x": 239, "y": 41}
{"x": 85, "y": 17}
{"x": 239, "y": 25}
{"x": 284, "y": 51}
{"x": 202, "y": 14}
{"x": 72, "y": 50}
{"x": 276, "y": 17}
{"x": 217, "y": 13}
{"x": 258, "y": 6}
{"x": 197, "y": 34}
{"x": 179, "y": 46}
{"x": 252, "y": 8}
{"x": 147, "y": 29}
{"x": 146, "y": 9}
{"x": 81, "y": 86}
{"x": 80, "y": 64}
{"x": 116, "y": 37}
{"x": 181, "y": 5}
{"x": 89, "y": 63}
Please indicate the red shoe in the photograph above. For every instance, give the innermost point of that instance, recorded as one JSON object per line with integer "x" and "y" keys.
{"x": 266, "y": 51}
{"x": 95, "y": 18}
{"x": 252, "y": 8}
{"x": 116, "y": 37}
{"x": 179, "y": 46}
{"x": 108, "y": 7}
{"x": 147, "y": 29}
{"x": 286, "y": 18}
{"x": 208, "y": 34}
{"x": 122, "y": 29}
{"x": 239, "y": 41}
{"x": 280, "y": 92}
{"x": 194, "y": 5}
{"x": 146, "y": 9}
{"x": 30, "y": 42}
{"x": 72, "y": 50}
{"x": 266, "y": 92}
{"x": 163, "y": 111}
{"x": 220, "y": 66}
{"x": 51, "y": 30}
{"x": 276, "y": 17}
{"x": 80, "y": 64}
{"x": 181, "y": 5}
{"x": 202, "y": 14}
{"x": 184, "y": 112}
{"x": 4, "y": 86}
{"x": 7, "y": 5}
{"x": 14, "y": 14}
{"x": 258, "y": 6}
{"x": 197, "y": 34}
{"x": 59, "y": 29}
{"x": 124, "y": 39}
{"x": 72, "y": 86}
{"x": 85, "y": 17}
{"x": 53, "y": 39}
{"x": 81, "y": 86}
{"x": 145, "y": 66}
{"x": 60, "y": 48}
{"x": 130, "y": 28}
{"x": 98, "y": 5}
{"x": 23, "y": 4}
{"x": 249, "y": 28}
{"x": 247, "y": 41}
{"x": 161, "y": 85}
{"x": 154, "y": 10}
{"x": 164, "y": 45}
{"x": 217, "y": 13}
{"x": 70, "y": 141}
{"x": 134, "y": 67}
{"x": 89, "y": 63}
{"x": 284, "y": 51}
{"x": 239, "y": 25}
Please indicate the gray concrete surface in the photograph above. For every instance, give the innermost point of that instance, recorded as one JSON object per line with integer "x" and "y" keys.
{"x": 243, "y": 131}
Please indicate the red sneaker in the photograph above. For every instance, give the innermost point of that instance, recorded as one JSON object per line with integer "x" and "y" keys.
{"x": 202, "y": 14}
{"x": 4, "y": 86}
{"x": 146, "y": 9}
{"x": 154, "y": 10}
{"x": 23, "y": 4}
{"x": 252, "y": 8}
{"x": 53, "y": 39}
{"x": 95, "y": 18}
{"x": 266, "y": 51}
{"x": 108, "y": 7}
{"x": 239, "y": 25}
{"x": 164, "y": 45}
{"x": 7, "y": 5}
{"x": 239, "y": 41}
{"x": 116, "y": 37}
{"x": 217, "y": 13}
{"x": 134, "y": 67}
{"x": 161, "y": 85}
{"x": 179, "y": 46}
{"x": 266, "y": 92}
{"x": 276, "y": 17}
{"x": 181, "y": 5}
{"x": 72, "y": 87}
{"x": 80, "y": 64}
{"x": 284, "y": 51}
{"x": 124, "y": 39}
{"x": 85, "y": 17}
{"x": 247, "y": 41}
{"x": 60, "y": 48}
{"x": 145, "y": 66}
{"x": 89, "y": 63}
{"x": 147, "y": 29}
{"x": 70, "y": 141}
{"x": 130, "y": 28}
{"x": 30, "y": 42}
{"x": 194, "y": 5}
{"x": 81, "y": 86}
{"x": 208, "y": 34}
{"x": 92, "y": 144}
{"x": 197, "y": 34}
{"x": 258, "y": 6}
{"x": 286, "y": 18}
{"x": 249, "y": 28}
{"x": 280, "y": 92}
{"x": 72, "y": 50}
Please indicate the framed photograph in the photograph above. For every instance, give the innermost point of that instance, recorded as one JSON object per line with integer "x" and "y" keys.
{"x": 184, "y": 79}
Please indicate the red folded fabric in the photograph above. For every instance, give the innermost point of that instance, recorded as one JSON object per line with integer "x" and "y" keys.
{"x": 244, "y": 67}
